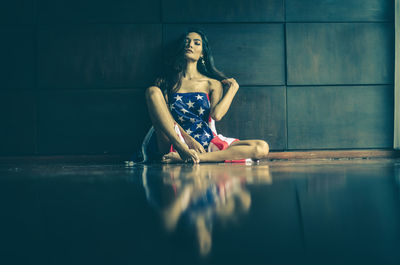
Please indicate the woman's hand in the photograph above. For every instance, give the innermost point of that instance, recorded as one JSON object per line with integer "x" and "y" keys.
{"x": 193, "y": 144}
{"x": 230, "y": 83}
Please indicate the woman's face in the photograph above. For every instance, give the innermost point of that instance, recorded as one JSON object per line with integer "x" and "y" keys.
{"x": 194, "y": 46}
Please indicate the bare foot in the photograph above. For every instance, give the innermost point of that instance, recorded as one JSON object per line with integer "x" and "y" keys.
{"x": 172, "y": 157}
{"x": 186, "y": 154}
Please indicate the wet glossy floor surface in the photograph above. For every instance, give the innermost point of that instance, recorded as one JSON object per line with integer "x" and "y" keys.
{"x": 304, "y": 212}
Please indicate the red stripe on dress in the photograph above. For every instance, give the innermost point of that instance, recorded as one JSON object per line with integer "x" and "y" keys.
{"x": 222, "y": 145}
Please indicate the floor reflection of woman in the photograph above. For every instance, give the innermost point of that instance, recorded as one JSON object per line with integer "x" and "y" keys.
{"x": 184, "y": 103}
{"x": 206, "y": 193}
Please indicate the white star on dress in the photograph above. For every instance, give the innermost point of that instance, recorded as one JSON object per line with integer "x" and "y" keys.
{"x": 198, "y": 97}
{"x": 192, "y": 120}
{"x": 190, "y": 104}
{"x": 172, "y": 106}
{"x": 201, "y": 111}
{"x": 207, "y": 135}
{"x": 178, "y": 98}
{"x": 184, "y": 110}
{"x": 205, "y": 143}
{"x": 199, "y": 125}
{"x": 189, "y": 131}
{"x": 180, "y": 118}
{"x": 197, "y": 136}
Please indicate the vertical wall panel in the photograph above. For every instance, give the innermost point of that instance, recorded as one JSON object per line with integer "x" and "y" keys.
{"x": 91, "y": 121}
{"x": 339, "y": 10}
{"x": 94, "y": 11}
{"x": 340, "y": 53}
{"x": 340, "y": 117}
{"x": 396, "y": 140}
{"x": 98, "y": 56}
{"x": 17, "y": 122}
{"x": 17, "y": 57}
{"x": 17, "y": 12}
{"x": 222, "y": 11}
{"x": 251, "y": 53}
{"x": 257, "y": 113}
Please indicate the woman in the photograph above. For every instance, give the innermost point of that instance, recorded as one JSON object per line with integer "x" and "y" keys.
{"x": 185, "y": 102}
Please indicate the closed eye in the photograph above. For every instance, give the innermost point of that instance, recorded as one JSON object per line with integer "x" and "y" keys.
{"x": 196, "y": 41}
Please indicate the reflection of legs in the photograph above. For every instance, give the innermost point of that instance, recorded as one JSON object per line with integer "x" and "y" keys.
{"x": 173, "y": 213}
{"x": 256, "y": 149}
{"x": 163, "y": 123}
{"x": 203, "y": 235}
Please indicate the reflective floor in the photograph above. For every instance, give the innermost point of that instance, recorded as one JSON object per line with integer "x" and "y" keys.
{"x": 303, "y": 212}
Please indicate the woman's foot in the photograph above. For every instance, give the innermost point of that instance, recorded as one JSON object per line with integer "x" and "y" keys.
{"x": 186, "y": 154}
{"x": 172, "y": 157}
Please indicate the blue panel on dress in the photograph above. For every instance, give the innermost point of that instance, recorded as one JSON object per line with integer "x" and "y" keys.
{"x": 192, "y": 112}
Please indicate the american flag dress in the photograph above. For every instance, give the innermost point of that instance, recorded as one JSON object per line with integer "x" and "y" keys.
{"x": 192, "y": 111}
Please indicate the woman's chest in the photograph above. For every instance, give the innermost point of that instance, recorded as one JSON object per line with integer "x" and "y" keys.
{"x": 190, "y": 86}
{"x": 189, "y": 106}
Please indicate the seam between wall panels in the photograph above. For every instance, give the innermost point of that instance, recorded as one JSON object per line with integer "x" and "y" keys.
{"x": 35, "y": 85}
{"x": 396, "y": 133}
{"x": 286, "y": 91}
{"x": 161, "y": 12}
{"x": 286, "y": 77}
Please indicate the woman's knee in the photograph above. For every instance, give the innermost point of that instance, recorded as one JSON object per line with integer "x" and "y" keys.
{"x": 261, "y": 149}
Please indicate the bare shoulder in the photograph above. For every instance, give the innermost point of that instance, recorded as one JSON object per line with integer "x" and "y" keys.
{"x": 214, "y": 84}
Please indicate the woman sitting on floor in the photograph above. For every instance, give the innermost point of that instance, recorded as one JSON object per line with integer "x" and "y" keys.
{"x": 185, "y": 103}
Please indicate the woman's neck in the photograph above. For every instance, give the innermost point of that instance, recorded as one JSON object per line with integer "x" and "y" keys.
{"x": 191, "y": 71}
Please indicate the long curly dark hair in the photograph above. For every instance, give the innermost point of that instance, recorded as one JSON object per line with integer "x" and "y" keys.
{"x": 174, "y": 65}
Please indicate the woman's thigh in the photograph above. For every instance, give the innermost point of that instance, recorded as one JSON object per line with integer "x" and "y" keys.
{"x": 247, "y": 142}
{"x": 258, "y": 148}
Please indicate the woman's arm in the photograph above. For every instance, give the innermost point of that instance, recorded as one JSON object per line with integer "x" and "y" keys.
{"x": 220, "y": 103}
{"x": 190, "y": 141}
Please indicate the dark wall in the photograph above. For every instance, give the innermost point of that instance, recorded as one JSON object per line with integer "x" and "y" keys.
{"x": 313, "y": 74}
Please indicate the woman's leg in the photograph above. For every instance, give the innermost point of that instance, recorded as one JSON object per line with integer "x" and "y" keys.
{"x": 163, "y": 123}
{"x": 255, "y": 149}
